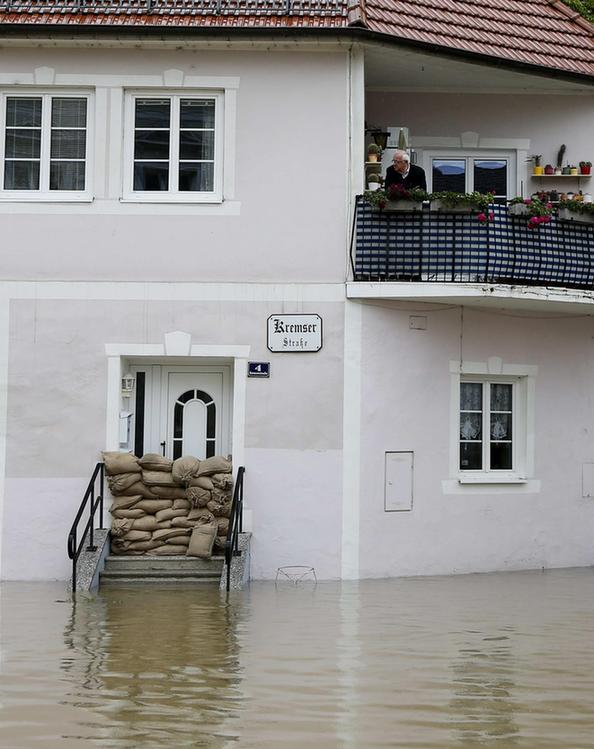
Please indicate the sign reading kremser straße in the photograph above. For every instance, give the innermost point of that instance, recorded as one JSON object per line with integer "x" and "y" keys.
{"x": 294, "y": 333}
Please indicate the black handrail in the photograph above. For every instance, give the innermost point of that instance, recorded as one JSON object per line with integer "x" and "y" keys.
{"x": 74, "y": 548}
{"x": 235, "y": 524}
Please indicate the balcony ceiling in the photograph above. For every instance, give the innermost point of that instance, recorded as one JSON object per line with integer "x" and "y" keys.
{"x": 392, "y": 68}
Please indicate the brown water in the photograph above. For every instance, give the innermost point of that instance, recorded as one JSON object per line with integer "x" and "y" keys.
{"x": 499, "y": 660}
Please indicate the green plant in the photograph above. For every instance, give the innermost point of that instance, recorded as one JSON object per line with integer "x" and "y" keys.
{"x": 578, "y": 206}
{"x": 538, "y": 210}
{"x": 399, "y": 192}
{"x": 560, "y": 155}
{"x": 477, "y": 200}
{"x": 373, "y": 148}
{"x": 585, "y": 163}
{"x": 375, "y": 178}
{"x": 376, "y": 198}
{"x": 536, "y": 158}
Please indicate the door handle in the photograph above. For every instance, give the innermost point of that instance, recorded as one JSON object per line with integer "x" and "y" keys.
{"x": 163, "y": 447}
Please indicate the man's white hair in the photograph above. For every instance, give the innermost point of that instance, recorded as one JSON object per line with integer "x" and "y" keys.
{"x": 402, "y": 155}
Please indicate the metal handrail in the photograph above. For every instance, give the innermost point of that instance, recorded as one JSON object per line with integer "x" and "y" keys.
{"x": 235, "y": 524}
{"x": 74, "y": 547}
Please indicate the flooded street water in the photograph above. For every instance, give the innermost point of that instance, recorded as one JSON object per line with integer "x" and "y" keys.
{"x": 497, "y": 660}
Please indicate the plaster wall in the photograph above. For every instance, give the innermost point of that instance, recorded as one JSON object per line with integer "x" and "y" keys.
{"x": 406, "y": 406}
{"x": 285, "y": 130}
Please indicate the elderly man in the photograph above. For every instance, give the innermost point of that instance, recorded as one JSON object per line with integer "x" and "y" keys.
{"x": 402, "y": 172}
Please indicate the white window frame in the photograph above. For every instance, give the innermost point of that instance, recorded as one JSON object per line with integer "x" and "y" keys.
{"x": 174, "y": 195}
{"x": 522, "y": 378}
{"x": 471, "y": 155}
{"x": 44, "y": 194}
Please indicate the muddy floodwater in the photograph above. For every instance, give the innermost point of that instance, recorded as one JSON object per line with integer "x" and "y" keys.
{"x": 496, "y": 660}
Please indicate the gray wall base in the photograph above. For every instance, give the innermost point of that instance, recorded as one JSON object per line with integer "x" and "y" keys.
{"x": 91, "y": 563}
{"x": 240, "y": 565}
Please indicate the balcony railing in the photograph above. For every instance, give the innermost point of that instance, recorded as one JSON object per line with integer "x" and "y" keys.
{"x": 437, "y": 247}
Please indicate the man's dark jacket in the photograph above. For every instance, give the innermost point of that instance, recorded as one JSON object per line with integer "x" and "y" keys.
{"x": 414, "y": 178}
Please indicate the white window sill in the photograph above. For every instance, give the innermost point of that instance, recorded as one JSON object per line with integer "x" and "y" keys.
{"x": 492, "y": 478}
{"x": 45, "y": 198}
{"x": 177, "y": 199}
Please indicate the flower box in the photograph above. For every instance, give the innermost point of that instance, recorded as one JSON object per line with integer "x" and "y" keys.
{"x": 441, "y": 207}
{"x": 518, "y": 209}
{"x": 565, "y": 214}
{"x": 402, "y": 206}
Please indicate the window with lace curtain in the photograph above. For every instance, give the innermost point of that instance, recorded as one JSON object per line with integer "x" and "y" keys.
{"x": 487, "y": 426}
{"x": 45, "y": 146}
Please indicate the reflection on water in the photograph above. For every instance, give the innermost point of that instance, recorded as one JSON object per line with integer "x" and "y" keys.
{"x": 495, "y": 661}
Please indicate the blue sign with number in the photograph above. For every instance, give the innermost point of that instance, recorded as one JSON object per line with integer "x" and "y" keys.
{"x": 259, "y": 369}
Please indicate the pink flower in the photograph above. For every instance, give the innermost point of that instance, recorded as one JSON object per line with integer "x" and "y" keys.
{"x": 482, "y": 218}
{"x": 491, "y": 216}
{"x": 527, "y": 201}
{"x": 533, "y": 222}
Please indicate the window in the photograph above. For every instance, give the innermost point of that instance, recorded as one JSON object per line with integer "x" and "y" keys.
{"x": 486, "y": 426}
{"x": 480, "y": 172}
{"x": 173, "y": 147}
{"x": 45, "y": 146}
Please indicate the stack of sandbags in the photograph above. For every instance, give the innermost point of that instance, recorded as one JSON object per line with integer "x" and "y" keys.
{"x": 158, "y": 502}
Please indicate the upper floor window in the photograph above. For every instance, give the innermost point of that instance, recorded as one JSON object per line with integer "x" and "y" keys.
{"x": 464, "y": 172}
{"x": 45, "y": 146}
{"x": 173, "y": 147}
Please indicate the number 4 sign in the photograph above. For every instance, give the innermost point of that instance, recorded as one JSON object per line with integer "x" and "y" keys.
{"x": 258, "y": 369}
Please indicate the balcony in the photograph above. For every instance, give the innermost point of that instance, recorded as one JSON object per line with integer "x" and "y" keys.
{"x": 450, "y": 257}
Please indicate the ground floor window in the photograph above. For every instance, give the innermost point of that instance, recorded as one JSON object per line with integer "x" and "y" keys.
{"x": 486, "y": 426}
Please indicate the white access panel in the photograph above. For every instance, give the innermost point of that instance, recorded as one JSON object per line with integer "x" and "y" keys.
{"x": 398, "y": 494}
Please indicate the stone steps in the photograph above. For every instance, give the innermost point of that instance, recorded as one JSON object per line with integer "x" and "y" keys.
{"x": 158, "y": 570}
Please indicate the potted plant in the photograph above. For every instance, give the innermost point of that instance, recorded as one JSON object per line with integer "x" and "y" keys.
{"x": 373, "y": 152}
{"x": 537, "y": 168}
{"x": 549, "y": 169}
{"x": 585, "y": 167}
{"x": 537, "y": 210}
{"x": 461, "y": 202}
{"x": 401, "y": 199}
{"x": 576, "y": 210}
{"x": 566, "y": 171}
{"x": 374, "y": 181}
{"x": 573, "y": 170}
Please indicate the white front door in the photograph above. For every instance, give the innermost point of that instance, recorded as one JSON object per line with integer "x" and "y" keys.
{"x": 187, "y": 410}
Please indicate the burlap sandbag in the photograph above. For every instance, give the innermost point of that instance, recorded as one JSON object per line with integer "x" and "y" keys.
{"x": 182, "y": 504}
{"x": 219, "y": 544}
{"x": 163, "y": 534}
{"x": 198, "y": 496}
{"x": 152, "y": 506}
{"x": 202, "y": 541}
{"x": 116, "y": 462}
{"x": 225, "y": 511}
{"x": 148, "y": 523}
{"x": 125, "y": 503}
{"x": 139, "y": 488}
{"x": 122, "y": 481}
{"x": 169, "y": 492}
{"x": 170, "y": 514}
{"x": 133, "y": 514}
{"x": 157, "y": 478}
{"x": 216, "y": 464}
{"x": 138, "y": 535}
{"x": 222, "y": 526}
{"x": 143, "y": 545}
{"x": 178, "y": 541}
{"x": 215, "y": 506}
{"x": 203, "y": 482}
{"x": 183, "y": 523}
{"x": 169, "y": 550}
{"x": 155, "y": 462}
{"x": 119, "y": 545}
{"x": 185, "y": 469}
{"x": 201, "y": 515}
{"x": 120, "y": 527}
{"x": 223, "y": 481}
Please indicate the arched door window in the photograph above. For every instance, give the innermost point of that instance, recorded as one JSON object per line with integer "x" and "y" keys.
{"x": 194, "y": 425}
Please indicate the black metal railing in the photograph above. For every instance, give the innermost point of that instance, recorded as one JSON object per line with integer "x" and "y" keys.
{"x": 180, "y": 7}
{"x": 94, "y": 500}
{"x": 235, "y": 524}
{"x": 431, "y": 246}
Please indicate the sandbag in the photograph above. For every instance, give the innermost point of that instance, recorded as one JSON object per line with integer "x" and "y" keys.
{"x": 119, "y": 545}
{"x": 198, "y": 496}
{"x": 185, "y": 469}
{"x": 133, "y": 513}
{"x": 223, "y": 481}
{"x": 157, "y": 478}
{"x": 216, "y": 464}
{"x": 137, "y": 535}
{"x": 170, "y": 514}
{"x": 183, "y": 523}
{"x": 219, "y": 544}
{"x": 202, "y": 541}
{"x": 163, "y": 534}
{"x": 155, "y": 462}
{"x": 143, "y": 545}
{"x": 222, "y": 526}
{"x": 148, "y": 523}
{"x": 122, "y": 481}
{"x": 203, "y": 482}
{"x": 152, "y": 506}
{"x": 138, "y": 488}
{"x": 200, "y": 515}
{"x": 169, "y": 550}
{"x": 124, "y": 503}
{"x": 178, "y": 541}
{"x": 120, "y": 527}
{"x": 116, "y": 462}
{"x": 225, "y": 511}
{"x": 168, "y": 492}
{"x": 215, "y": 506}
{"x": 182, "y": 504}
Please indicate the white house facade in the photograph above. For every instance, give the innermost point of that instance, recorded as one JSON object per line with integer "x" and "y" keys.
{"x": 182, "y": 208}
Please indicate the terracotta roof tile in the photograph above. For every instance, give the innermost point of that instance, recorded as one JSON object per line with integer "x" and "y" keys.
{"x": 545, "y": 33}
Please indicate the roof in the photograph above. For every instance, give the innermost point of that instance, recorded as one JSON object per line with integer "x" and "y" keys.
{"x": 542, "y": 33}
